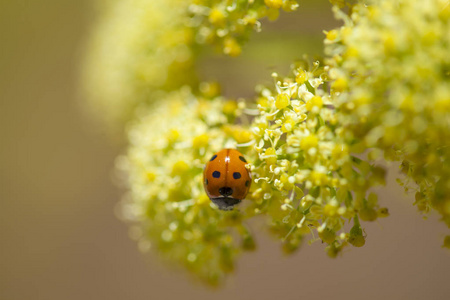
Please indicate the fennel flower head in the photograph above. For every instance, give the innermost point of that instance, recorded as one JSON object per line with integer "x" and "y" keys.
{"x": 228, "y": 23}
{"x": 140, "y": 47}
{"x": 392, "y": 72}
{"x": 306, "y": 182}
{"x": 166, "y": 205}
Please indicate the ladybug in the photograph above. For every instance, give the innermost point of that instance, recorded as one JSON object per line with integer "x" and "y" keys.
{"x": 226, "y": 179}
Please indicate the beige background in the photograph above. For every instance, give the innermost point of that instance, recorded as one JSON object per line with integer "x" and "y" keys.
{"x": 59, "y": 236}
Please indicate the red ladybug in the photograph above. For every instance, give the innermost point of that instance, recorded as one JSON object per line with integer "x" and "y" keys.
{"x": 226, "y": 179}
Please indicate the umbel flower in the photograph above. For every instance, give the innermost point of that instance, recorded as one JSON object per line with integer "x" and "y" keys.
{"x": 392, "y": 72}
{"x": 166, "y": 203}
{"x": 306, "y": 180}
{"x": 140, "y": 47}
{"x": 228, "y": 23}
{"x": 137, "y": 48}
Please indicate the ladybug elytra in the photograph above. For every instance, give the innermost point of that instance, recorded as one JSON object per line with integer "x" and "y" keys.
{"x": 226, "y": 179}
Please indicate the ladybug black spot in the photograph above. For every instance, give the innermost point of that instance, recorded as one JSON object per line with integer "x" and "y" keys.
{"x": 242, "y": 158}
{"x": 247, "y": 183}
{"x": 236, "y": 175}
{"x": 213, "y": 158}
{"x": 216, "y": 174}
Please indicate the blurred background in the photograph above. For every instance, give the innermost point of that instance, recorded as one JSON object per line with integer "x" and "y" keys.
{"x": 59, "y": 236}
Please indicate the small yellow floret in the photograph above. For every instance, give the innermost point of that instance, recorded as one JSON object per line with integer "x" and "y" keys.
{"x": 272, "y": 153}
{"x": 374, "y": 12}
{"x": 288, "y": 125}
{"x": 315, "y": 101}
{"x": 290, "y": 5}
{"x": 339, "y": 85}
{"x": 346, "y": 32}
{"x": 203, "y": 199}
{"x": 389, "y": 43}
{"x": 332, "y": 35}
{"x": 230, "y": 107}
{"x": 351, "y": 52}
{"x": 301, "y": 77}
{"x": 250, "y": 19}
{"x": 284, "y": 179}
{"x": 200, "y": 141}
{"x": 273, "y": 3}
{"x": 243, "y": 136}
{"x": 217, "y": 17}
{"x": 179, "y": 167}
{"x": 173, "y": 136}
{"x": 330, "y": 210}
{"x": 282, "y": 101}
{"x": 151, "y": 176}
{"x": 263, "y": 102}
{"x": 310, "y": 141}
{"x": 339, "y": 152}
{"x": 319, "y": 178}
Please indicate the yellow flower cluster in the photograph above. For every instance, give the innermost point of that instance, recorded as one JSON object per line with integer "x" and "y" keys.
{"x": 166, "y": 206}
{"x": 140, "y": 47}
{"x": 228, "y": 23}
{"x": 392, "y": 81}
{"x": 307, "y": 180}
{"x": 137, "y": 48}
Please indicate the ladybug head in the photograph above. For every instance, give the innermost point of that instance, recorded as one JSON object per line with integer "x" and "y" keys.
{"x": 226, "y": 191}
{"x": 225, "y": 203}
